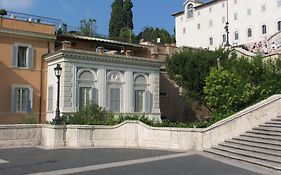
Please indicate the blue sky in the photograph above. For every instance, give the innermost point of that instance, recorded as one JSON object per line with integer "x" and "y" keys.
{"x": 152, "y": 13}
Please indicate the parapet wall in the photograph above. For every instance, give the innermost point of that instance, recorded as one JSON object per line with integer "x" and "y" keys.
{"x": 138, "y": 135}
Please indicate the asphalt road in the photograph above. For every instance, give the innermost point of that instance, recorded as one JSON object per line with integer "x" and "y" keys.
{"x": 101, "y": 161}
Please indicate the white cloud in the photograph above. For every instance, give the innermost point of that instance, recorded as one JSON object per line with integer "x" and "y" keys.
{"x": 16, "y": 4}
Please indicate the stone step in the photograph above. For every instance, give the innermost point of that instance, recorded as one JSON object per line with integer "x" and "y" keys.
{"x": 272, "y": 165}
{"x": 269, "y": 133}
{"x": 268, "y": 129}
{"x": 271, "y": 125}
{"x": 251, "y": 149}
{"x": 265, "y": 137}
{"x": 258, "y": 140}
{"x": 261, "y": 156}
{"x": 255, "y": 145}
{"x": 276, "y": 119}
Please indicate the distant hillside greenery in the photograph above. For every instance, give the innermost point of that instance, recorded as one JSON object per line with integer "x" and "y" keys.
{"x": 221, "y": 81}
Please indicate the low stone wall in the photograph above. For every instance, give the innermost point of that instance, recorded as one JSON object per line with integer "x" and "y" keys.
{"x": 20, "y": 135}
{"x": 138, "y": 135}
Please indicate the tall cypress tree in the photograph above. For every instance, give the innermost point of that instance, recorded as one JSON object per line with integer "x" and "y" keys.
{"x": 117, "y": 17}
{"x": 121, "y": 17}
{"x": 128, "y": 14}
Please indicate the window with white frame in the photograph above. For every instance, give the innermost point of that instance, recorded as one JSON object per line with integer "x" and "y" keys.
{"x": 211, "y": 41}
{"x": 235, "y": 1}
{"x": 114, "y": 81}
{"x": 236, "y": 35}
{"x": 22, "y": 99}
{"x": 235, "y": 16}
{"x": 115, "y": 102}
{"x": 249, "y": 12}
{"x": 87, "y": 92}
{"x": 23, "y": 56}
{"x": 249, "y": 32}
{"x": 198, "y": 26}
{"x": 210, "y": 23}
{"x": 224, "y": 38}
{"x": 222, "y": 5}
{"x": 140, "y": 93}
{"x": 263, "y": 27}
{"x": 50, "y": 98}
{"x": 190, "y": 11}
{"x": 263, "y": 8}
{"x": 279, "y": 26}
{"x": 183, "y": 30}
{"x": 278, "y": 3}
{"x": 223, "y": 19}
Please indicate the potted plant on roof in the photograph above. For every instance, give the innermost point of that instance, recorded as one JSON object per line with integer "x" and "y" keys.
{"x": 3, "y": 12}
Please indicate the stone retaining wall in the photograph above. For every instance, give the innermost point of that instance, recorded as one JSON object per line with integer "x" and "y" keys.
{"x": 138, "y": 135}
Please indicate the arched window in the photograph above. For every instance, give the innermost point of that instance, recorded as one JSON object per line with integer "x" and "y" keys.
{"x": 114, "y": 81}
{"x": 86, "y": 88}
{"x": 279, "y": 26}
{"x": 211, "y": 41}
{"x": 236, "y": 35}
{"x": 140, "y": 93}
{"x": 263, "y": 29}
{"x": 224, "y": 38}
{"x": 190, "y": 11}
{"x": 250, "y": 33}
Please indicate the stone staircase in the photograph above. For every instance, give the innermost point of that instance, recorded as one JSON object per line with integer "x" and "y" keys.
{"x": 260, "y": 146}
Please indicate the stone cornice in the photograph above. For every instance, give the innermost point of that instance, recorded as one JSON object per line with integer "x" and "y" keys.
{"x": 28, "y": 34}
{"x": 81, "y": 55}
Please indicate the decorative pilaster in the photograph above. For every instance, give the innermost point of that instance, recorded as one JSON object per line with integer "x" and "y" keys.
{"x": 101, "y": 73}
{"x": 129, "y": 92}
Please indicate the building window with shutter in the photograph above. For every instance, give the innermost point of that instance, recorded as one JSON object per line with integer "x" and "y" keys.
{"x": 211, "y": 41}
{"x": 115, "y": 102}
{"x": 263, "y": 29}
{"x": 50, "y": 98}
{"x": 115, "y": 91}
{"x": 224, "y": 38}
{"x": 236, "y": 35}
{"x": 141, "y": 95}
{"x": 87, "y": 92}
{"x": 250, "y": 33}
{"x": 23, "y": 56}
{"x": 21, "y": 99}
{"x": 278, "y": 3}
{"x": 190, "y": 11}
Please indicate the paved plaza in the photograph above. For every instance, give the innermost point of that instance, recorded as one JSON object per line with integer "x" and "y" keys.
{"x": 105, "y": 161}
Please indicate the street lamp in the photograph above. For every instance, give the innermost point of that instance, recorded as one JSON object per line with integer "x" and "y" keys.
{"x": 58, "y": 119}
{"x": 227, "y": 34}
{"x": 226, "y": 26}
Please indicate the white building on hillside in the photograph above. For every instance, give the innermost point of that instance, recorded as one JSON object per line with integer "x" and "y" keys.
{"x": 250, "y": 21}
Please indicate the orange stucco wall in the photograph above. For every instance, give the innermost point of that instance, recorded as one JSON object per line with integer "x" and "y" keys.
{"x": 26, "y": 26}
{"x": 20, "y": 76}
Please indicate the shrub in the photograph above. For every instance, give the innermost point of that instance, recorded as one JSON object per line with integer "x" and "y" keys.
{"x": 3, "y": 12}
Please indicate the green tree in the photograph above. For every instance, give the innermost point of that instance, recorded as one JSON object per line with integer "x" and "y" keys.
{"x": 190, "y": 68}
{"x": 128, "y": 14}
{"x": 87, "y": 27}
{"x": 121, "y": 20}
{"x": 117, "y": 19}
{"x": 152, "y": 34}
{"x": 241, "y": 82}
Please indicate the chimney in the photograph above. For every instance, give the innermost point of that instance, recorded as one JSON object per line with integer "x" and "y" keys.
{"x": 66, "y": 44}
{"x": 100, "y": 50}
{"x": 128, "y": 52}
{"x": 154, "y": 55}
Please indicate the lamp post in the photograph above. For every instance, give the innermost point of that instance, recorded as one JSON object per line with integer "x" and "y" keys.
{"x": 226, "y": 26}
{"x": 227, "y": 34}
{"x": 58, "y": 119}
